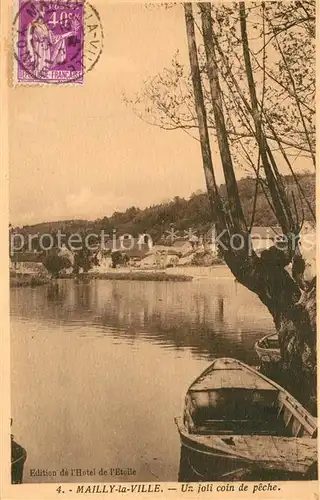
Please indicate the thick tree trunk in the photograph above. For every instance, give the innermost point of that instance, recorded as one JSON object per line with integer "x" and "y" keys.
{"x": 294, "y": 315}
{"x": 298, "y": 343}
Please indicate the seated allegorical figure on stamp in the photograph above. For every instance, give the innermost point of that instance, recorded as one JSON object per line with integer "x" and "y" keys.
{"x": 45, "y": 48}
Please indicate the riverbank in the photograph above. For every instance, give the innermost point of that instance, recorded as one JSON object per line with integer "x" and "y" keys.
{"x": 132, "y": 275}
{"x": 28, "y": 280}
{"x": 176, "y": 274}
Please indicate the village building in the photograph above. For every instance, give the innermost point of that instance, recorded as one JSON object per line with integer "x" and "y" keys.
{"x": 103, "y": 257}
{"x": 28, "y": 263}
{"x": 135, "y": 248}
{"x": 161, "y": 256}
{"x": 136, "y": 256}
{"x": 184, "y": 246}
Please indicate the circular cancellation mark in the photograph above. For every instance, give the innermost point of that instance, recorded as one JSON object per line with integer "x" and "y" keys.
{"x": 56, "y": 41}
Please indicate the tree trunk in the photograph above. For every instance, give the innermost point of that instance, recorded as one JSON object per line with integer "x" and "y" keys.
{"x": 297, "y": 335}
{"x": 215, "y": 91}
{"x": 293, "y": 312}
{"x": 214, "y": 198}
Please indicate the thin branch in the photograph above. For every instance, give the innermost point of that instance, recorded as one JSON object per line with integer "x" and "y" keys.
{"x": 272, "y": 77}
{"x": 254, "y": 206}
{"x": 295, "y": 208}
{"x": 280, "y": 30}
{"x": 260, "y": 181}
{"x": 295, "y": 94}
{"x": 285, "y": 156}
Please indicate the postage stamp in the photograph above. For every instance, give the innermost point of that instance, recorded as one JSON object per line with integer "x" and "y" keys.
{"x": 50, "y": 41}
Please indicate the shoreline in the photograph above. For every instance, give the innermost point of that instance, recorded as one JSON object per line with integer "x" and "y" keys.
{"x": 130, "y": 276}
{"x": 35, "y": 281}
{"x": 174, "y": 274}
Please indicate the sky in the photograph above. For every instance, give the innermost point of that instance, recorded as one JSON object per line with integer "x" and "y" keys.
{"x": 80, "y": 151}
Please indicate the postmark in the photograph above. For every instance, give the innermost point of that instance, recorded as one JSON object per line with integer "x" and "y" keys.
{"x": 56, "y": 41}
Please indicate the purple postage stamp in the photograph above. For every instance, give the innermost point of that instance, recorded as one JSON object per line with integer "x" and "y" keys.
{"x": 50, "y": 41}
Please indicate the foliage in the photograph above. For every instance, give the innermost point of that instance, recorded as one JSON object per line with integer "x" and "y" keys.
{"x": 119, "y": 258}
{"x": 184, "y": 214}
{"x": 84, "y": 260}
{"x": 55, "y": 264}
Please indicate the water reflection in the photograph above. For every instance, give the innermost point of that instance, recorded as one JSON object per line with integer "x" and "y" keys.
{"x": 102, "y": 367}
{"x": 208, "y": 316}
{"x": 56, "y": 292}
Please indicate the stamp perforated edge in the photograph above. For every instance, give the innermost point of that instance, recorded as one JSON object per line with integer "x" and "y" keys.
{"x": 15, "y": 82}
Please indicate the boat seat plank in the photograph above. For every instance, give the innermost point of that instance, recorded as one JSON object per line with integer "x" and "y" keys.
{"x": 241, "y": 427}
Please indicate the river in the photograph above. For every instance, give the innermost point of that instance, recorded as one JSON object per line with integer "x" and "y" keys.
{"x": 99, "y": 368}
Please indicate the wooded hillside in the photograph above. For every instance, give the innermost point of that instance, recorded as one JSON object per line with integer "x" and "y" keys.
{"x": 186, "y": 213}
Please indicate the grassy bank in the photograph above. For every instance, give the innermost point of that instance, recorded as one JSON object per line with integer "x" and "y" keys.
{"x": 132, "y": 276}
{"x": 27, "y": 280}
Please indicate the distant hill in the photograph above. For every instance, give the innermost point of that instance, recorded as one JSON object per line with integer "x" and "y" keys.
{"x": 183, "y": 214}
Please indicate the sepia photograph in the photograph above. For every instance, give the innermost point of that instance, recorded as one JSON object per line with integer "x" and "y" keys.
{"x": 162, "y": 245}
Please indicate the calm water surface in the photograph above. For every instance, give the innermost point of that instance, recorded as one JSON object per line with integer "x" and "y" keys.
{"x": 99, "y": 369}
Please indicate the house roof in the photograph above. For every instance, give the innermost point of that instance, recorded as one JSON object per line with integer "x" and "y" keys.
{"x": 180, "y": 243}
{"x": 163, "y": 249}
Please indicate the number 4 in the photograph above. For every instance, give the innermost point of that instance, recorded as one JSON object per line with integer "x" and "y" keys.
{"x": 53, "y": 20}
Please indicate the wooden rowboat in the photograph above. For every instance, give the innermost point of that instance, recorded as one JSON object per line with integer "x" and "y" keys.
{"x": 18, "y": 458}
{"x": 237, "y": 419}
{"x": 268, "y": 349}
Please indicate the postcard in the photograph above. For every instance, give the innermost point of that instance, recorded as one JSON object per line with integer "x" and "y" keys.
{"x": 159, "y": 249}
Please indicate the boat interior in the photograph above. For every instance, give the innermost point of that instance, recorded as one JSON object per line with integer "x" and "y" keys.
{"x": 246, "y": 412}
